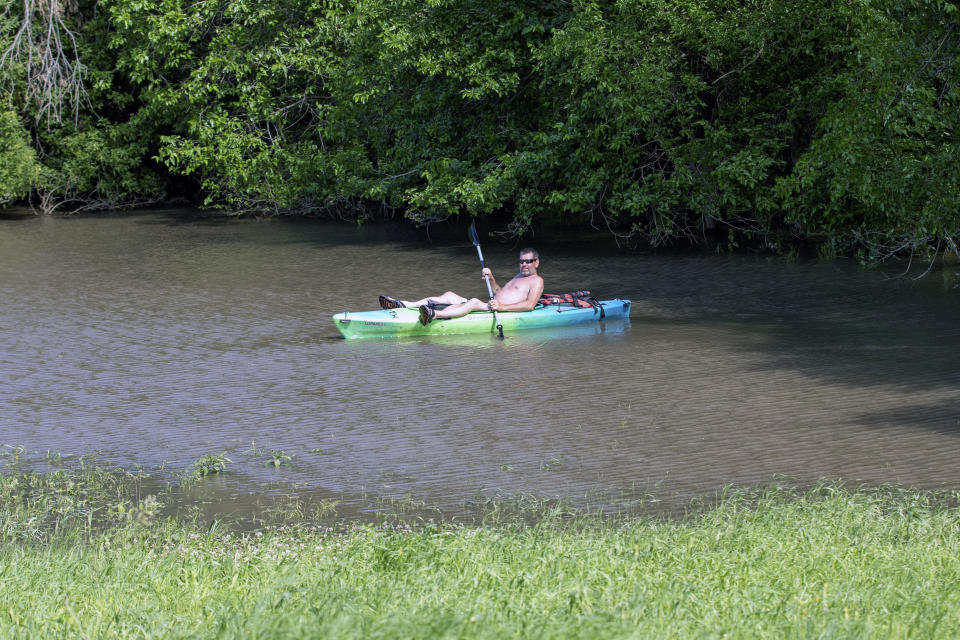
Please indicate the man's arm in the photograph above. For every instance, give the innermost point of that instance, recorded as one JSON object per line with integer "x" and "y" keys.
{"x": 527, "y": 304}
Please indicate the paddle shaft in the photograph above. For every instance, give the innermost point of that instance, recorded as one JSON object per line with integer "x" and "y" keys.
{"x": 486, "y": 278}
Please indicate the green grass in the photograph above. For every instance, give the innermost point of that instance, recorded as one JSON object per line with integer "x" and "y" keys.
{"x": 772, "y": 563}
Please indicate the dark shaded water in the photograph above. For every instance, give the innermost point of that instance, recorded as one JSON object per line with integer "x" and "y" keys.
{"x": 157, "y": 338}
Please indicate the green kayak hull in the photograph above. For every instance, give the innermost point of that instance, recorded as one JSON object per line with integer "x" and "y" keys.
{"x": 398, "y": 323}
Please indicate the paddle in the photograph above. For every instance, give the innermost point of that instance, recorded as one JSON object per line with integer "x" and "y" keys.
{"x": 486, "y": 278}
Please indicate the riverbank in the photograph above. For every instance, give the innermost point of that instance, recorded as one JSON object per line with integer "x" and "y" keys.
{"x": 83, "y": 555}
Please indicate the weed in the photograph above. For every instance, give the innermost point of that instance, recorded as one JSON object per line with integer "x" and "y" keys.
{"x": 209, "y": 464}
{"x": 278, "y": 457}
{"x": 547, "y": 465}
{"x": 325, "y": 509}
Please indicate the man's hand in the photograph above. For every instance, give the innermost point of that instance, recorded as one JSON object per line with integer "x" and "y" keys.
{"x": 486, "y": 273}
{"x": 493, "y": 305}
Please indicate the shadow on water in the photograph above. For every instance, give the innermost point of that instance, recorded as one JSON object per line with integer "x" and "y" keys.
{"x": 847, "y": 352}
{"x": 942, "y": 418}
{"x": 826, "y": 320}
{"x": 858, "y": 355}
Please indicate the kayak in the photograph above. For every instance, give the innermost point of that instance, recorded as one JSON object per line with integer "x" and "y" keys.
{"x": 398, "y": 323}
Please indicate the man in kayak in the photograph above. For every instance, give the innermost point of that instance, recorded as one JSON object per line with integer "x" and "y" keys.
{"x": 520, "y": 294}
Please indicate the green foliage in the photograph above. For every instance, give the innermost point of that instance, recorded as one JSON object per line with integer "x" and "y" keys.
{"x": 278, "y": 457}
{"x": 18, "y": 162}
{"x": 209, "y": 464}
{"x": 882, "y": 168}
{"x": 98, "y": 167}
{"x": 687, "y": 120}
{"x": 71, "y": 503}
{"x": 623, "y": 102}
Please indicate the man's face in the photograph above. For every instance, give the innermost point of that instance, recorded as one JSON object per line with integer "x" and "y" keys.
{"x": 528, "y": 265}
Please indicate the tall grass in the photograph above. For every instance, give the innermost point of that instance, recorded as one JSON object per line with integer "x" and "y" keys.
{"x": 771, "y": 563}
{"x": 74, "y": 501}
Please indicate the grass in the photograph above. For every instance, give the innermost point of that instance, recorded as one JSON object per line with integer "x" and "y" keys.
{"x": 771, "y": 563}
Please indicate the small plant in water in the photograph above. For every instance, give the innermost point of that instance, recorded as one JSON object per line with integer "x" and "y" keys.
{"x": 210, "y": 464}
{"x": 547, "y": 465}
{"x": 13, "y": 453}
{"x": 277, "y": 458}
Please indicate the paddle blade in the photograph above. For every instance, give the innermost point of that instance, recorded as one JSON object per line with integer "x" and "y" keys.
{"x": 473, "y": 235}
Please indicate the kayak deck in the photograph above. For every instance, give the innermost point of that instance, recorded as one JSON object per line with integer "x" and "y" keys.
{"x": 395, "y": 323}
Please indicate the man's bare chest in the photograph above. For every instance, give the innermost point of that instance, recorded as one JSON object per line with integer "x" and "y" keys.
{"x": 518, "y": 288}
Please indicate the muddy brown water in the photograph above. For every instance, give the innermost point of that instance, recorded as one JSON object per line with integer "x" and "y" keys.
{"x": 159, "y": 337}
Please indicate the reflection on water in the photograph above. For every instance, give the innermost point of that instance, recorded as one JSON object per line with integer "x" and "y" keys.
{"x": 158, "y": 338}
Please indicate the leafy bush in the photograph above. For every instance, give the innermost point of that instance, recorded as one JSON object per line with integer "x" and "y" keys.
{"x": 18, "y": 162}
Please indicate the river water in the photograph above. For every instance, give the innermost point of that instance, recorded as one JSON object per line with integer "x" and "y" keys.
{"x": 158, "y": 337}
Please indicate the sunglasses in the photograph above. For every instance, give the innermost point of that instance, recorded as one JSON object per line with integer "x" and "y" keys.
{"x": 525, "y": 261}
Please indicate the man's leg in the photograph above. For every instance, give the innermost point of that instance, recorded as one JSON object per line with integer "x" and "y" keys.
{"x": 449, "y": 297}
{"x": 462, "y": 309}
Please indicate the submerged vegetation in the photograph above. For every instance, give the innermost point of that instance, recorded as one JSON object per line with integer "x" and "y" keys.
{"x": 84, "y": 553}
{"x": 205, "y": 465}
{"x": 746, "y": 122}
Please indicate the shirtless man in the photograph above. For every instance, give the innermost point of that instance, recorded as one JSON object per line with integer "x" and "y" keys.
{"x": 520, "y": 294}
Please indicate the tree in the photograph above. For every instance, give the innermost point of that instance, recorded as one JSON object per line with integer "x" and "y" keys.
{"x": 18, "y": 162}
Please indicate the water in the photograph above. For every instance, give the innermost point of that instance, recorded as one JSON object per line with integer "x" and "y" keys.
{"x": 159, "y": 337}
